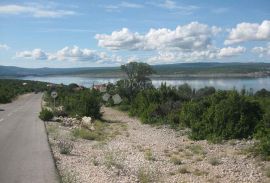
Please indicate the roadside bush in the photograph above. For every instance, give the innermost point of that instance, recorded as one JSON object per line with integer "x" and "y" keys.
{"x": 81, "y": 103}
{"x": 46, "y": 115}
{"x": 224, "y": 115}
{"x": 263, "y": 135}
{"x": 10, "y": 88}
{"x": 65, "y": 147}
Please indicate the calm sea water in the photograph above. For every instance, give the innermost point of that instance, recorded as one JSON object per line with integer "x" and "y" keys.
{"x": 218, "y": 83}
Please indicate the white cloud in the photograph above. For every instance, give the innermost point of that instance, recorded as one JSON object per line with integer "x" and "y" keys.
{"x": 230, "y": 51}
{"x": 193, "y": 36}
{"x": 262, "y": 51}
{"x": 174, "y": 6}
{"x": 36, "y": 54}
{"x": 71, "y": 54}
{"x": 164, "y": 57}
{"x": 4, "y": 47}
{"x": 249, "y": 32}
{"x": 123, "y": 39}
{"x": 34, "y": 10}
{"x": 130, "y": 5}
{"x": 124, "y": 4}
{"x": 76, "y": 54}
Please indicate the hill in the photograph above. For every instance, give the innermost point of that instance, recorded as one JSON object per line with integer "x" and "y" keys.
{"x": 201, "y": 69}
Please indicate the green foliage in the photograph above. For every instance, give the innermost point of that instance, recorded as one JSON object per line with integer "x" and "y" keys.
{"x": 137, "y": 74}
{"x": 98, "y": 134}
{"x": 85, "y": 134}
{"x": 263, "y": 135}
{"x": 224, "y": 115}
{"x": 46, "y": 115}
{"x": 76, "y": 103}
{"x": 10, "y": 88}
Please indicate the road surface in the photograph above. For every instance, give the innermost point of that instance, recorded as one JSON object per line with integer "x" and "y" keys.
{"x": 25, "y": 155}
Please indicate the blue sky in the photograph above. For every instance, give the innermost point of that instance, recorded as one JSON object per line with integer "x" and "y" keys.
{"x": 109, "y": 33}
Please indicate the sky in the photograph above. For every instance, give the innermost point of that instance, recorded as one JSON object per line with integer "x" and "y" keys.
{"x": 93, "y": 33}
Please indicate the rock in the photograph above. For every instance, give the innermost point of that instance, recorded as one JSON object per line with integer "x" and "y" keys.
{"x": 92, "y": 128}
{"x": 86, "y": 121}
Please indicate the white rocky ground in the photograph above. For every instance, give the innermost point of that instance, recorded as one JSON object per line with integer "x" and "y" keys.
{"x": 143, "y": 153}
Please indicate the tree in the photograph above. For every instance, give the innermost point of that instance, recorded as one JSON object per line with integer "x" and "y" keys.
{"x": 137, "y": 74}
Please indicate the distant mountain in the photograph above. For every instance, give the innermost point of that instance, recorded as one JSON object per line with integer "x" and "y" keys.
{"x": 202, "y": 69}
{"x": 19, "y": 72}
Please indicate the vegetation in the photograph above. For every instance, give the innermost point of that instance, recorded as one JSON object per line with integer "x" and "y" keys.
{"x": 147, "y": 176}
{"x": 65, "y": 147}
{"x": 46, "y": 115}
{"x": 76, "y": 101}
{"x": 223, "y": 115}
{"x": 137, "y": 78}
{"x": 209, "y": 114}
{"x": 98, "y": 134}
{"x": 214, "y": 161}
{"x": 9, "y": 88}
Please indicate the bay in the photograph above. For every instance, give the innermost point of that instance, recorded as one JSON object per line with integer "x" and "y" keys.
{"x": 219, "y": 83}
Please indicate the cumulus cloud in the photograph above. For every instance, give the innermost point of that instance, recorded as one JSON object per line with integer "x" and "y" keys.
{"x": 230, "y": 51}
{"x": 121, "y": 40}
{"x": 262, "y": 51}
{"x": 4, "y": 47}
{"x": 71, "y": 54}
{"x": 193, "y": 36}
{"x": 249, "y": 32}
{"x": 36, "y": 54}
{"x": 182, "y": 56}
{"x": 33, "y": 10}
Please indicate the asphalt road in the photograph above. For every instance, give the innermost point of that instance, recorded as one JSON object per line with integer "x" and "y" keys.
{"x": 25, "y": 155}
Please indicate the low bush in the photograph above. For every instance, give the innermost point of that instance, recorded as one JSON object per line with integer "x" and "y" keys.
{"x": 263, "y": 135}
{"x": 65, "y": 147}
{"x": 223, "y": 115}
{"x": 46, "y": 115}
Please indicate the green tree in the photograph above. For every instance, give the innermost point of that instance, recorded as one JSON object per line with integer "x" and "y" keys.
{"x": 138, "y": 76}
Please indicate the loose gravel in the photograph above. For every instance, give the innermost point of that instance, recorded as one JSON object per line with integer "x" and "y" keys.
{"x": 142, "y": 153}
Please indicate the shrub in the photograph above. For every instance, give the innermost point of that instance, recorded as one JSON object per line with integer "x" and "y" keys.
{"x": 65, "y": 147}
{"x": 214, "y": 161}
{"x": 147, "y": 176}
{"x": 263, "y": 135}
{"x": 223, "y": 115}
{"x": 46, "y": 115}
{"x": 176, "y": 160}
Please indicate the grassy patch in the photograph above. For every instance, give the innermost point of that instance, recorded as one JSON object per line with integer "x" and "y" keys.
{"x": 267, "y": 172}
{"x": 198, "y": 172}
{"x": 53, "y": 131}
{"x": 102, "y": 131}
{"x": 86, "y": 134}
{"x": 95, "y": 161}
{"x": 112, "y": 160}
{"x": 65, "y": 147}
{"x": 183, "y": 170}
{"x": 214, "y": 161}
{"x": 147, "y": 176}
{"x": 196, "y": 149}
{"x": 148, "y": 155}
{"x": 176, "y": 160}
{"x": 68, "y": 177}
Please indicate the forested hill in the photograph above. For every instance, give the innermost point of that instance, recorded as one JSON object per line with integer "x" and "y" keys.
{"x": 202, "y": 69}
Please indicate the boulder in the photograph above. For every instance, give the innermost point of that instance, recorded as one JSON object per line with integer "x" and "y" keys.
{"x": 86, "y": 122}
